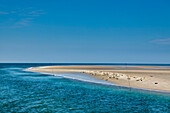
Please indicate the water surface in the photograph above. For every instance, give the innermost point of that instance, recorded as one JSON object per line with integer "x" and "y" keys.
{"x": 22, "y": 91}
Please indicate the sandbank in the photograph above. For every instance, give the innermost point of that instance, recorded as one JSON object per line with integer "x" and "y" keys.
{"x": 145, "y": 77}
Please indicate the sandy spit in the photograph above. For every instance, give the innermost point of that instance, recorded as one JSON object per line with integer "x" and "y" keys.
{"x": 145, "y": 77}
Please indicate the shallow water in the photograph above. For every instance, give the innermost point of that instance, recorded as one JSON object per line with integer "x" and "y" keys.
{"x": 82, "y": 77}
{"x": 22, "y": 91}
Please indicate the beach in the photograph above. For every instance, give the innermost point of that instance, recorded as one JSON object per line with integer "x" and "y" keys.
{"x": 145, "y": 77}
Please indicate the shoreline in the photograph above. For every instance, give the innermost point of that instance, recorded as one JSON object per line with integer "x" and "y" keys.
{"x": 154, "y": 78}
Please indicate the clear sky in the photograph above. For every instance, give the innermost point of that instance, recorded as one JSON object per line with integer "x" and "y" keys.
{"x": 85, "y": 31}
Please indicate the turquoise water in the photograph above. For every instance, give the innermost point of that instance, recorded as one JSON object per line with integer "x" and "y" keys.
{"x": 22, "y": 91}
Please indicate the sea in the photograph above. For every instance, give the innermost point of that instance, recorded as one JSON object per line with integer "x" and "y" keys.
{"x": 32, "y": 92}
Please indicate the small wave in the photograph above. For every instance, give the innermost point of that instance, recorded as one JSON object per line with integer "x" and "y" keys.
{"x": 30, "y": 68}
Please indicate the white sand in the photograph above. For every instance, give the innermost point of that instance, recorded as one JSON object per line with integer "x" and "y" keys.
{"x": 147, "y": 77}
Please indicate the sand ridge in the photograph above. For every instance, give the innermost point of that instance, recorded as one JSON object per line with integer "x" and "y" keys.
{"x": 146, "y": 77}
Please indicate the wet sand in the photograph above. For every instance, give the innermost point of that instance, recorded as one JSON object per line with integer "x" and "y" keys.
{"x": 145, "y": 77}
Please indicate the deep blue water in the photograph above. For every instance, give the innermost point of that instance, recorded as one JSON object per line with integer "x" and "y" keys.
{"x": 22, "y": 91}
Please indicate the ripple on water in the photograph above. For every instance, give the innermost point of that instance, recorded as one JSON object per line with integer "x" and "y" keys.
{"x": 20, "y": 92}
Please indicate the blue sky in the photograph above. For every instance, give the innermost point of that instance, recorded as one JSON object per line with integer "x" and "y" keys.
{"x": 131, "y": 31}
